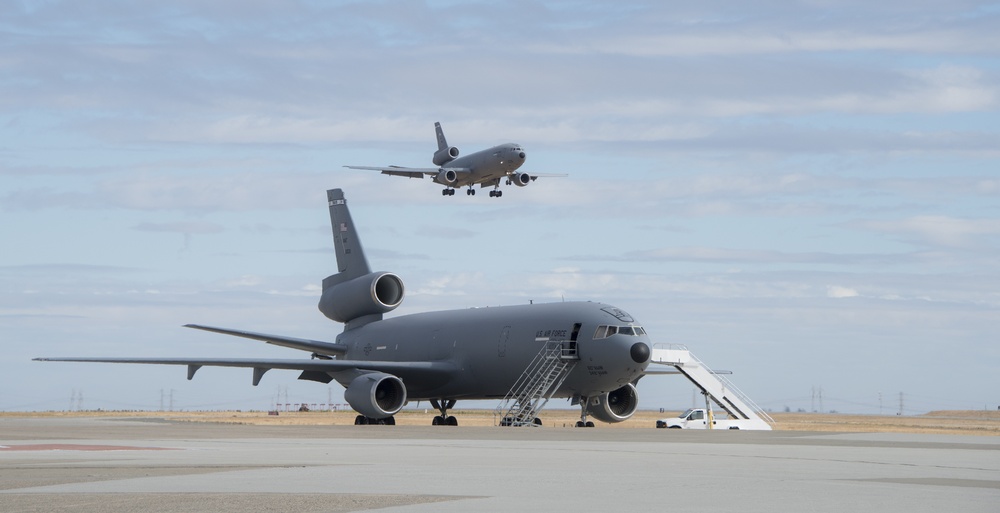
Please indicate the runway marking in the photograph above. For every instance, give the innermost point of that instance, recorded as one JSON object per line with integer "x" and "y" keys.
{"x": 79, "y": 447}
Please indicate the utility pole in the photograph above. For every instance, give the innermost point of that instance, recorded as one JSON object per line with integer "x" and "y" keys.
{"x": 900, "y": 404}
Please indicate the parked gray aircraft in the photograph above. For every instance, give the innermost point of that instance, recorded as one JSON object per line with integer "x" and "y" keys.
{"x": 441, "y": 357}
{"x": 485, "y": 168}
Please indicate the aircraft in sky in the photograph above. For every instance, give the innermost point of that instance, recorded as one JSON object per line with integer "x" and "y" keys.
{"x": 486, "y": 168}
{"x": 444, "y": 356}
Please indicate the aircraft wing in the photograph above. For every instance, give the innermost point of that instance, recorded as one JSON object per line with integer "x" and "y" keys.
{"x": 324, "y": 348}
{"x": 410, "y": 172}
{"x": 536, "y": 176}
{"x": 407, "y": 371}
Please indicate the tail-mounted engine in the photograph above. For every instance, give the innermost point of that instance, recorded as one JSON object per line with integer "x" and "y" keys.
{"x": 376, "y": 395}
{"x": 446, "y": 177}
{"x": 519, "y": 179}
{"x": 615, "y": 406}
{"x": 371, "y": 294}
{"x": 445, "y": 155}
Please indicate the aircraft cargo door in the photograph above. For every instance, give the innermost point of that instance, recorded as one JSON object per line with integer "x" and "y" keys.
{"x": 502, "y": 342}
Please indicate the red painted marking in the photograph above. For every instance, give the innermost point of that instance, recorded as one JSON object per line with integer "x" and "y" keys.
{"x": 77, "y": 447}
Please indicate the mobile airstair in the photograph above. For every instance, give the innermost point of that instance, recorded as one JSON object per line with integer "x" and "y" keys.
{"x": 715, "y": 386}
{"x": 537, "y": 383}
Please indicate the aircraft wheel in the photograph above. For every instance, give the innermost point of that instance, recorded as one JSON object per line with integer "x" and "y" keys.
{"x": 437, "y": 421}
{"x": 493, "y": 194}
{"x": 451, "y": 421}
{"x": 580, "y": 423}
{"x": 499, "y": 193}
{"x": 537, "y": 421}
{"x": 590, "y": 423}
{"x": 391, "y": 421}
{"x": 360, "y": 420}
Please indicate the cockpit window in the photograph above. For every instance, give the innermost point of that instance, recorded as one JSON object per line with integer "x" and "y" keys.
{"x": 605, "y": 331}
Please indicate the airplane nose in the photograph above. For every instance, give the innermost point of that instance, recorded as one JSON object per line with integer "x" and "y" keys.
{"x": 639, "y": 352}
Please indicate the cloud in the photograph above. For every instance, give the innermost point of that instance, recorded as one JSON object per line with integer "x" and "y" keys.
{"x": 836, "y": 291}
{"x": 939, "y": 230}
{"x": 186, "y": 227}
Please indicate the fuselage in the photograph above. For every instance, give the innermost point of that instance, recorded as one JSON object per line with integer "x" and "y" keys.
{"x": 489, "y": 165}
{"x": 490, "y": 347}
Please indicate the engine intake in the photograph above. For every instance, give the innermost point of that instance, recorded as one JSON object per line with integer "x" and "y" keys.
{"x": 617, "y": 405}
{"x": 376, "y": 395}
{"x": 520, "y": 179}
{"x": 371, "y": 294}
{"x": 446, "y": 177}
{"x": 445, "y": 155}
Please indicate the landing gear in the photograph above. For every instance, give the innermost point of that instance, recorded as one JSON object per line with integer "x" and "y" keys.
{"x": 470, "y": 191}
{"x": 583, "y": 422}
{"x": 448, "y": 192}
{"x": 496, "y": 193}
{"x": 443, "y": 406}
{"x": 361, "y": 420}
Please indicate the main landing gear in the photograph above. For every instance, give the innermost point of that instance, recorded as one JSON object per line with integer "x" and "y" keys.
{"x": 448, "y": 192}
{"x": 583, "y": 422}
{"x": 443, "y": 406}
{"x": 496, "y": 193}
{"x": 361, "y": 420}
{"x": 470, "y": 191}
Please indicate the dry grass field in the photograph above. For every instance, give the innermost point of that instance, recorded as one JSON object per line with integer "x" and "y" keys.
{"x": 938, "y": 422}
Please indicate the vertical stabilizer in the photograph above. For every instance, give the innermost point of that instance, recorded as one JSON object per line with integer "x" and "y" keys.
{"x": 444, "y": 153}
{"x": 351, "y": 261}
{"x": 442, "y": 142}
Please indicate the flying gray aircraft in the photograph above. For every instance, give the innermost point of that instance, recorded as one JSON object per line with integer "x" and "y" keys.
{"x": 444, "y": 356}
{"x": 486, "y": 168}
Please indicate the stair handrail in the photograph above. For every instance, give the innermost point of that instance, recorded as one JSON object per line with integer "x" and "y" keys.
{"x": 725, "y": 381}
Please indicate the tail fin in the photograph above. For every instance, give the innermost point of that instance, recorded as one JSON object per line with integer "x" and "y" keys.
{"x": 444, "y": 153}
{"x": 351, "y": 260}
{"x": 442, "y": 142}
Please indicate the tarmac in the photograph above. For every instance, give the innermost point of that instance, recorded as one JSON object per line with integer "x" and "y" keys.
{"x": 152, "y": 465}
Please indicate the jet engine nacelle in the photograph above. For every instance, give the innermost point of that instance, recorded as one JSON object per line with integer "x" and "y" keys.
{"x": 371, "y": 294}
{"x": 446, "y": 177}
{"x": 617, "y": 405}
{"x": 376, "y": 395}
{"x": 520, "y": 179}
{"x": 445, "y": 155}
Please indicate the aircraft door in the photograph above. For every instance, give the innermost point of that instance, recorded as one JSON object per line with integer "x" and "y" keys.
{"x": 502, "y": 342}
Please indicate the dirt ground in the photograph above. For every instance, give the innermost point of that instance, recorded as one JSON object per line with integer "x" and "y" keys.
{"x": 938, "y": 422}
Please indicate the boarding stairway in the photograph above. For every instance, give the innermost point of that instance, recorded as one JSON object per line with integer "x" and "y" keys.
{"x": 543, "y": 376}
{"x": 715, "y": 386}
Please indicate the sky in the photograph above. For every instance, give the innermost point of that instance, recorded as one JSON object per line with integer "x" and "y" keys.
{"x": 804, "y": 193}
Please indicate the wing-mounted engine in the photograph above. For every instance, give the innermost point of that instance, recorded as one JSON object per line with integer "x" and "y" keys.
{"x": 370, "y": 294}
{"x": 615, "y": 406}
{"x": 376, "y": 395}
{"x": 519, "y": 179}
{"x": 445, "y": 155}
{"x": 446, "y": 177}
